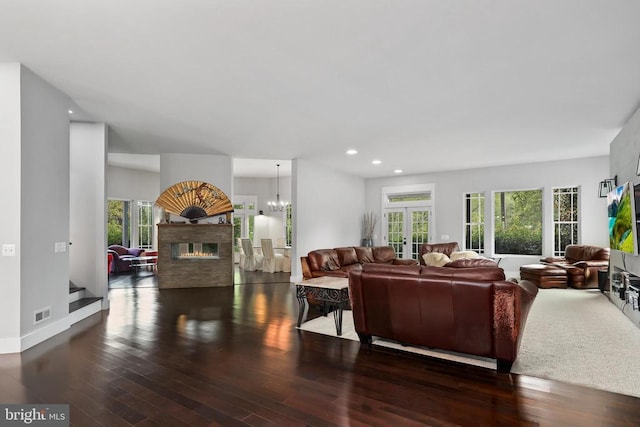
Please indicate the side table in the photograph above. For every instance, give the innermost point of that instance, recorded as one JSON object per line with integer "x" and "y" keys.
{"x": 332, "y": 290}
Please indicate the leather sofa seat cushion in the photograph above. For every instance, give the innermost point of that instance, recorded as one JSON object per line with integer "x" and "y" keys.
{"x": 324, "y": 260}
{"x": 347, "y": 256}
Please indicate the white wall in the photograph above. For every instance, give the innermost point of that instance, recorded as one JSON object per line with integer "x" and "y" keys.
{"x": 44, "y": 207}
{"x": 271, "y": 225}
{"x": 88, "y": 218}
{"x": 623, "y": 160}
{"x": 132, "y": 184}
{"x": 214, "y": 170}
{"x": 450, "y": 188}
{"x": 327, "y": 209}
{"x": 10, "y": 222}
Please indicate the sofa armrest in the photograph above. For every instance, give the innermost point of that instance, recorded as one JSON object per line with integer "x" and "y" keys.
{"x": 553, "y": 260}
{"x": 306, "y": 270}
{"x": 115, "y": 254}
{"x": 591, "y": 264}
{"x": 511, "y": 305}
{"x": 400, "y": 261}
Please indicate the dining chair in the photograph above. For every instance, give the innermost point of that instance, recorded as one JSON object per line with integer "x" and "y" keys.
{"x": 272, "y": 262}
{"x": 240, "y": 254}
{"x": 252, "y": 262}
{"x": 281, "y": 244}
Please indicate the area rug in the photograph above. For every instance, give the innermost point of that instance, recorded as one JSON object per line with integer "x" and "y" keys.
{"x": 573, "y": 336}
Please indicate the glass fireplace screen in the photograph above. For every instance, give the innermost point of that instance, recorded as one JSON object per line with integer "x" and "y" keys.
{"x": 194, "y": 251}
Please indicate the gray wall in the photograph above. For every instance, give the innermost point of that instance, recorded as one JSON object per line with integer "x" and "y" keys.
{"x": 44, "y": 207}
{"x": 623, "y": 161}
{"x": 10, "y": 216}
{"x": 327, "y": 209}
{"x": 88, "y": 218}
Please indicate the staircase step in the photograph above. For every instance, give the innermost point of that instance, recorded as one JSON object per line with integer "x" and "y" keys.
{"x": 83, "y": 308}
{"x": 76, "y": 293}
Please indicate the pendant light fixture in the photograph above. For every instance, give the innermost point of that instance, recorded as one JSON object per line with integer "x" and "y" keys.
{"x": 277, "y": 205}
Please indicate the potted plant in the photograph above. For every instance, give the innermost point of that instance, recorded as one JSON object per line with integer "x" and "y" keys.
{"x": 369, "y": 221}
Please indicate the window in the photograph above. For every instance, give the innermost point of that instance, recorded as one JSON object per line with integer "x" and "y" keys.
{"x": 518, "y": 222}
{"x": 474, "y": 222}
{"x": 145, "y": 225}
{"x": 244, "y": 211}
{"x": 565, "y": 219}
{"x": 288, "y": 226}
{"x": 119, "y": 222}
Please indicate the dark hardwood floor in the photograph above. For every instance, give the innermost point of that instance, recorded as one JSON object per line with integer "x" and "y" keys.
{"x": 232, "y": 356}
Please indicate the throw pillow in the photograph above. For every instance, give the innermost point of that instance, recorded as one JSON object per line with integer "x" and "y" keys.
{"x": 435, "y": 259}
{"x": 464, "y": 255}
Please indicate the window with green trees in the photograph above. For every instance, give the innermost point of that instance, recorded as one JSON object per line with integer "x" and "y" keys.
{"x": 474, "y": 222}
{"x": 565, "y": 219}
{"x": 119, "y": 222}
{"x": 518, "y": 222}
{"x": 145, "y": 224}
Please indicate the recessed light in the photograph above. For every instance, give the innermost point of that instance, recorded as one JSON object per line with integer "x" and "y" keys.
{"x": 376, "y": 162}
{"x": 397, "y": 171}
{"x": 70, "y": 111}
{"x": 351, "y": 152}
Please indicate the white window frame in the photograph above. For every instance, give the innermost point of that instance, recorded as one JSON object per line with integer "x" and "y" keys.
{"x": 493, "y": 221}
{"x": 577, "y": 222}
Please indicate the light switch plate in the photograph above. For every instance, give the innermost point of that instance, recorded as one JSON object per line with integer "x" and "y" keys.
{"x": 8, "y": 249}
{"x": 60, "y": 247}
{"x": 444, "y": 237}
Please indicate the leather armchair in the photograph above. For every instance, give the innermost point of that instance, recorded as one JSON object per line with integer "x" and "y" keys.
{"x": 581, "y": 262}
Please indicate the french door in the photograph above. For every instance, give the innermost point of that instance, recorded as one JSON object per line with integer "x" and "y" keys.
{"x": 407, "y": 229}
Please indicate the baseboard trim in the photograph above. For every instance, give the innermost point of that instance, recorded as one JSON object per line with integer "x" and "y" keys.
{"x": 9, "y": 345}
{"x": 44, "y": 333}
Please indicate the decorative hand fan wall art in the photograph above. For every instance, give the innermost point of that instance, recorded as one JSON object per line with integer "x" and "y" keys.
{"x": 194, "y": 200}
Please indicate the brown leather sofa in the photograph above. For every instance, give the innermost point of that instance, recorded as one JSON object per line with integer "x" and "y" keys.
{"x": 443, "y": 248}
{"x": 581, "y": 262}
{"x": 466, "y": 310}
{"x": 338, "y": 262}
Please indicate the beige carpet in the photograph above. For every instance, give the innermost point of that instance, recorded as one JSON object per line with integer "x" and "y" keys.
{"x": 572, "y": 336}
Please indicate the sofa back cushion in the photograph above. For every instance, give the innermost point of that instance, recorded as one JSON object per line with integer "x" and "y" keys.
{"x": 575, "y": 253}
{"x": 472, "y": 262}
{"x": 413, "y": 270}
{"x": 444, "y": 248}
{"x": 120, "y": 250}
{"x": 478, "y": 274}
{"x": 365, "y": 254}
{"x": 347, "y": 256}
{"x": 383, "y": 254}
{"x": 323, "y": 260}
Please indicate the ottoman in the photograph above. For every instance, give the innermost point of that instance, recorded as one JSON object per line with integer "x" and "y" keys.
{"x": 544, "y": 276}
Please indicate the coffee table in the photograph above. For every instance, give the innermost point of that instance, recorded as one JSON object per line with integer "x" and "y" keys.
{"x": 143, "y": 261}
{"x": 332, "y": 290}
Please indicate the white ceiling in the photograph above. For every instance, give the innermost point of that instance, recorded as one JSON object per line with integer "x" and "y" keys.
{"x": 423, "y": 85}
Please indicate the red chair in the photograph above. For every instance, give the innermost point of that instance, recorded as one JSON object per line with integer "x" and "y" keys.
{"x": 109, "y": 262}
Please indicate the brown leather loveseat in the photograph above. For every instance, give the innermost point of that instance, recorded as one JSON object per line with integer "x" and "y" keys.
{"x": 467, "y": 310}
{"x": 338, "y": 262}
{"x": 581, "y": 262}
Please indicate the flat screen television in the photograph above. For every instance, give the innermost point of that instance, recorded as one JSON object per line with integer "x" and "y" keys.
{"x": 621, "y": 205}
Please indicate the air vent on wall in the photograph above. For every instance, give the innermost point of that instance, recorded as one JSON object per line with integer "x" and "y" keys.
{"x": 42, "y": 315}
